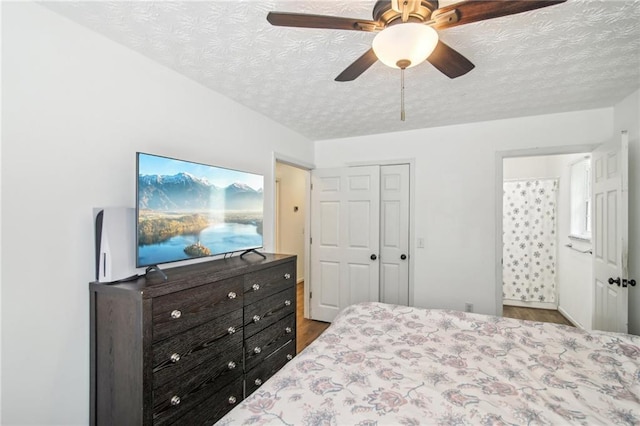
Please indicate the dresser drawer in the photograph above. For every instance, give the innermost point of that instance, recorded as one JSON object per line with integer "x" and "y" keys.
{"x": 212, "y": 409}
{"x": 179, "y": 396}
{"x": 260, "y": 284}
{"x": 256, "y": 377}
{"x": 182, "y": 352}
{"x": 185, "y": 309}
{"x": 268, "y": 311}
{"x": 263, "y": 344}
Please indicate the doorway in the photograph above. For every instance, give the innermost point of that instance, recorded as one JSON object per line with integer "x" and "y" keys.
{"x": 544, "y": 266}
{"x": 291, "y": 204}
{"x": 291, "y": 207}
{"x": 292, "y": 187}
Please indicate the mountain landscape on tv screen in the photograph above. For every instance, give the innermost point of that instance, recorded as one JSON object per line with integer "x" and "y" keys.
{"x": 185, "y": 192}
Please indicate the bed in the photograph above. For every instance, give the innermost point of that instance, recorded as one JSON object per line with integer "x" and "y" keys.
{"x": 388, "y": 364}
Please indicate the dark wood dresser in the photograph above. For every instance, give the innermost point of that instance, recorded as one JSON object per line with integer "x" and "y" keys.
{"x": 184, "y": 351}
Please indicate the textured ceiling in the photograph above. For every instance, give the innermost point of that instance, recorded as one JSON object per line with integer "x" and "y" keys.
{"x": 577, "y": 55}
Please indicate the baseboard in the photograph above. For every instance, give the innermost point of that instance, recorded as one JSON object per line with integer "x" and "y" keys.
{"x": 570, "y": 318}
{"x": 531, "y": 304}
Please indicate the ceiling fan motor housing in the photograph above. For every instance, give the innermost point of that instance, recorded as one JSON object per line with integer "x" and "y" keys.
{"x": 383, "y": 12}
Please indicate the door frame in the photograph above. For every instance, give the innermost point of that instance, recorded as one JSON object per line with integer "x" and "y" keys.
{"x": 500, "y": 156}
{"x": 300, "y": 164}
{"x": 412, "y": 185}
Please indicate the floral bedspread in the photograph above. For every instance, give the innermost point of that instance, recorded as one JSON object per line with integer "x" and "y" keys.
{"x": 387, "y": 364}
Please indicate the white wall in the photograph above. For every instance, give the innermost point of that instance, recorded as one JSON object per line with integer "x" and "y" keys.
{"x": 455, "y": 193}
{"x": 573, "y": 269}
{"x": 291, "y": 227}
{"x": 75, "y": 109}
{"x": 627, "y": 117}
{"x": 543, "y": 166}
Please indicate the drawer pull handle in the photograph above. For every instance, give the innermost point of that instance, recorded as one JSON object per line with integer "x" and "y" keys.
{"x": 255, "y": 287}
{"x": 175, "y": 357}
{"x": 258, "y": 382}
{"x": 232, "y": 295}
{"x": 257, "y": 350}
{"x": 231, "y": 365}
{"x": 287, "y": 276}
{"x": 232, "y": 400}
{"x": 175, "y": 314}
{"x": 289, "y": 357}
{"x": 231, "y": 330}
{"x": 175, "y": 400}
{"x": 287, "y": 302}
{"x": 256, "y": 318}
{"x": 288, "y": 330}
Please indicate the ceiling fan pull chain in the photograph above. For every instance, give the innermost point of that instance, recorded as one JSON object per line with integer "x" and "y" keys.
{"x": 402, "y": 94}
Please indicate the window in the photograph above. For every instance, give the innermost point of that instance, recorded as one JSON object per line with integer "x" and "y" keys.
{"x": 581, "y": 199}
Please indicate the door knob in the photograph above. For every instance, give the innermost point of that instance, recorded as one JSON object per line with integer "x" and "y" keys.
{"x": 632, "y": 283}
{"x": 403, "y": 256}
{"x": 374, "y": 257}
{"x": 617, "y": 281}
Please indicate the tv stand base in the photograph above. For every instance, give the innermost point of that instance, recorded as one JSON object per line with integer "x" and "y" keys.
{"x": 157, "y": 269}
{"x": 254, "y": 251}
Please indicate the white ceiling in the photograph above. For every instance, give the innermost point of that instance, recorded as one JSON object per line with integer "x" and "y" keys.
{"x": 577, "y": 55}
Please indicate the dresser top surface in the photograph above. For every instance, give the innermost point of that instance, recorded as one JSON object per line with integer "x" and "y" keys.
{"x": 188, "y": 276}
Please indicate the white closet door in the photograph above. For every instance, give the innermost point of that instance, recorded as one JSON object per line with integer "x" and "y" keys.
{"x": 345, "y": 228}
{"x": 394, "y": 234}
{"x": 610, "y": 235}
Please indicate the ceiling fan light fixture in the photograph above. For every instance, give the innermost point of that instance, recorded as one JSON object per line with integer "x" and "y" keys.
{"x": 406, "y": 42}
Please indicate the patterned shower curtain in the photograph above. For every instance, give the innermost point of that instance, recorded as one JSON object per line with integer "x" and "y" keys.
{"x": 529, "y": 240}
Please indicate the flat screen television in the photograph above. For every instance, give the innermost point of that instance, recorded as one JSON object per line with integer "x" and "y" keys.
{"x": 187, "y": 210}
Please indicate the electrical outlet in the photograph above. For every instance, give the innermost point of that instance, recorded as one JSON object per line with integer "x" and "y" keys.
{"x": 468, "y": 307}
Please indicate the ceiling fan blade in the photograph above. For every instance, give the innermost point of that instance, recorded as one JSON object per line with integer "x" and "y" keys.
{"x": 360, "y": 65}
{"x": 478, "y": 10}
{"x": 301, "y": 20}
{"x": 449, "y": 61}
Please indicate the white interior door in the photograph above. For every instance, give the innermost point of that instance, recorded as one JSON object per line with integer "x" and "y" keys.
{"x": 345, "y": 216}
{"x": 394, "y": 234}
{"x": 610, "y": 235}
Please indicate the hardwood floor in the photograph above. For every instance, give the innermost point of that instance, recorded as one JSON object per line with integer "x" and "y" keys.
{"x": 532, "y": 314}
{"x": 306, "y": 330}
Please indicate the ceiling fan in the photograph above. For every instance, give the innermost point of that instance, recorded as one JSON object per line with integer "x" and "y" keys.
{"x": 407, "y": 31}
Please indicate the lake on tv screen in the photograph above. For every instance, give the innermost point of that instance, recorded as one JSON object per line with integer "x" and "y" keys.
{"x": 219, "y": 238}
